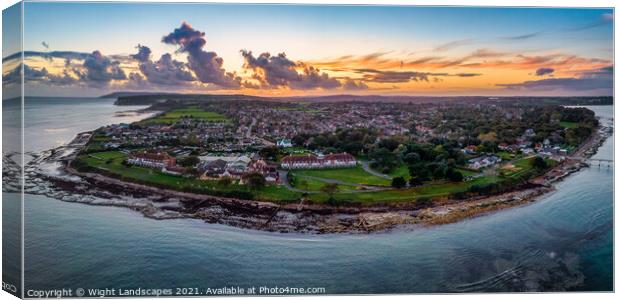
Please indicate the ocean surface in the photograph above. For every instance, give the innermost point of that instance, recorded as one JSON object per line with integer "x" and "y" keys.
{"x": 564, "y": 241}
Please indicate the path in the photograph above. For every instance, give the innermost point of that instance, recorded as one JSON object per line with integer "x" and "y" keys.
{"x": 367, "y": 168}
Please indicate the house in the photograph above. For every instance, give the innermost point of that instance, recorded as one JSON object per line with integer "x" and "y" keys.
{"x": 471, "y": 149}
{"x": 284, "y": 143}
{"x": 483, "y": 162}
{"x": 338, "y": 160}
{"x": 214, "y": 168}
{"x": 157, "y": 160}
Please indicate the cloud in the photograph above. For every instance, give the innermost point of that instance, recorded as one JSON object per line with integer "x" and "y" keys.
{"x": 544, "y": 71}
{"x": 64, "y": 79}
{"x": 453, "y": 44}
{"x": 54, "y": 54}
{"x": 353, "y": 85}
{"x": 604, "y": 19}
{"x": 143, "y": 55}
{"x": 207, "y": 66}
{"x": 522, "y": 36}
{"x": 279, "y": 71}
{"x": 380, "y": 76}
{"x": 30, "y": 74}
{"x": 165, "y": 71}
{"x": 99, "y": 69}
{"x": 594, "y": 81}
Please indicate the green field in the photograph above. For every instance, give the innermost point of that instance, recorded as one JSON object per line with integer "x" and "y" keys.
{"x": 355, "y": 175}
{"x": 566, "y": 124}
{"x": 195, "y": 112}
{"x": 311, "y": 184}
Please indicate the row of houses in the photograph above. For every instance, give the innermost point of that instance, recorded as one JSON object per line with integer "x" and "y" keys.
{"x": 309, "y": 161}
{"x": 158, "y": 160}
{"x": 236, "y": 167}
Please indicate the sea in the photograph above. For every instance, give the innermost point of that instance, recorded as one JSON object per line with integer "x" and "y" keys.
{"x": 564, "y": 241}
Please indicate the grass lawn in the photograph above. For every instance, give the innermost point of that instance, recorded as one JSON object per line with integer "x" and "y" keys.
{"x": 566, "y": 124}
{"x": 467, "y": 172}
{"x": 505, "y": 155}
{"x": 311, "y": 184}
{"x": 355, "y": 175}
{"x": 401, "y": 171}
{"x": 196, "y": 112}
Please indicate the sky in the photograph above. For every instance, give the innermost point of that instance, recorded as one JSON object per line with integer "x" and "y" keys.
{"x": 89, "y": 49}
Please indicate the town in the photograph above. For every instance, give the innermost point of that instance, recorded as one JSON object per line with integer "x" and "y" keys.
{"x": 337, "y": 152}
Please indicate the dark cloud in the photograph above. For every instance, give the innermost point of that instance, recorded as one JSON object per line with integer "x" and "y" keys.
{"x": 166, "y": 70}
{"x": 453, "y": 44}
{"x": 312, "y": 78}
{"x": 353, "y": 85}
{"x": 207, "y": 66}
{"x": 467, "y": 74}
{"x": 544, "y": 71}
{"x": 99, "y": 69}
{"x": 279, "y": 71}
{"x": 595, "y": 81}
{"x": 380, "y": 76}
{"x": 143, "y": 55}
{"x": 30, "y": 74}
{"x": 51, "y": 54}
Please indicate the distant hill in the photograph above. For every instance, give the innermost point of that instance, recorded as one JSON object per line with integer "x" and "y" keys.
{"x": 146, "y": 98}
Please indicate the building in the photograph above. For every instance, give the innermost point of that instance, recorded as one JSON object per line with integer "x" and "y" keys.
{"x": 471, "y": 149}
{"x": 159, "y": 160}
{"x": 483, "y": 162}
{"x": 284, "y": 143}
{"x": 338, "y": 160}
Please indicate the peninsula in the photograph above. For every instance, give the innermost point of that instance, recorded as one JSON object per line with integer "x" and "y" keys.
{"x": 335, "y": 166}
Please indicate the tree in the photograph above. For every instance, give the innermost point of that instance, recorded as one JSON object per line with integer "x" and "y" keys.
{"x": 399, "y": 182}
{"x": 188, "y": 161}
{"x": 389, "y": 144}
{"x": 454, "y": 175}
{"x": 383, "y": 159}
{"x": 539, "y": 163}
{"x": 255, "y": 180}
{"x": 330, "y": 189}
{"x": 269, "y": 153}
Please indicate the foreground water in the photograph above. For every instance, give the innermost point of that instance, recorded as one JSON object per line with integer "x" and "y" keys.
{"x": 564, "y": 241}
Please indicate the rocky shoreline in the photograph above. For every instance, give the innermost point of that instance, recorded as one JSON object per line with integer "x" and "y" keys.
{"x": 47, "y": 174}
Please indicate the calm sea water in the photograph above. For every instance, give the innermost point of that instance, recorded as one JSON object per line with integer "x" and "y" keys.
{"x": 562, "y": 241}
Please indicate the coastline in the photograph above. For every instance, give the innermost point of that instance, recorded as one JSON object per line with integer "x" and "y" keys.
{"x": 96, "y": 189}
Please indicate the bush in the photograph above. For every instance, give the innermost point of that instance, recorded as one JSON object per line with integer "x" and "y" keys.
{"x": 399, "y": 182}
